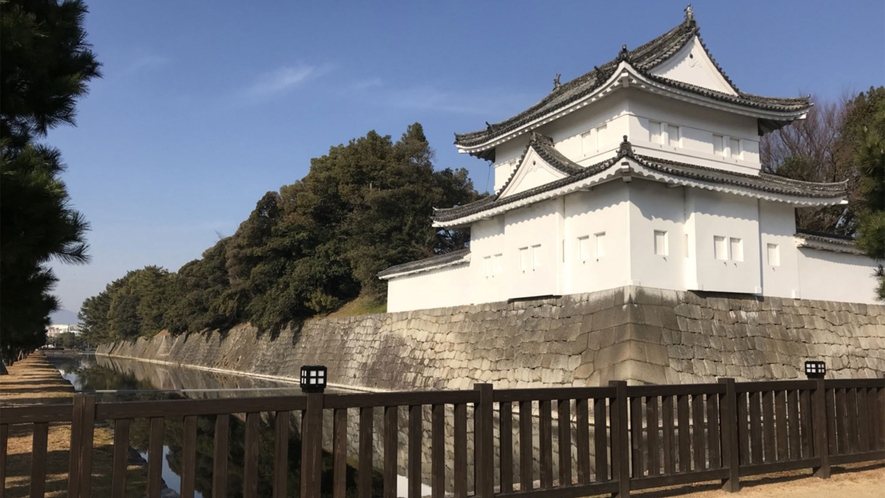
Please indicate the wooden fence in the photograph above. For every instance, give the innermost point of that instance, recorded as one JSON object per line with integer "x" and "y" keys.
{"x": 610, "y": 439}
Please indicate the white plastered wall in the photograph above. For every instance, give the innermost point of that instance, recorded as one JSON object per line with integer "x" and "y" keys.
{"x": 711, "y": 214}
{"x": 655, "y": 207}
{"x": 604, "y": 210}
{"x": 536, "y": 229}
{"x": 780, "y": 266}
{"x": 832, "y": 276}
{"x": 697, "y": 126}
{"x": 447, "y": 286}
{"x": 487, "y": 239}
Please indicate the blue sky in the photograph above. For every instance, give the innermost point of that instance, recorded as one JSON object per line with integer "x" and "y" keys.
{"x": 205, "y": 106}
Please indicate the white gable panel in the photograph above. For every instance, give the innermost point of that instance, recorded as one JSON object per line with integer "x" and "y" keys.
{"x": 692, "y": 65}
{"x": 532, "y": 172}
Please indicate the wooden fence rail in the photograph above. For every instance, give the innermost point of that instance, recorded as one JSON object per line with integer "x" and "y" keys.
{"x": 553, "y": 442}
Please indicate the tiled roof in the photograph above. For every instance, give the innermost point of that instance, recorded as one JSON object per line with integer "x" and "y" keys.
{"x": 446, "y": 259}
{"x": 832, "y": 238}
{"x": 760, "y": 183}
{"x": 643, "y": 58}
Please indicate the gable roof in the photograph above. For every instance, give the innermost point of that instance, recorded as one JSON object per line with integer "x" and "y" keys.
{"x": 763, "y": 185}
{"x": 643, "y": 59}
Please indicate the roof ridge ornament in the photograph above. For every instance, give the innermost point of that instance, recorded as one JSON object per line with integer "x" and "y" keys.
{"x": 626, "y": 148}
{"x": 624, "y": 54}
{"x": 689, "y": 13}
{"x": 556, "y": 83}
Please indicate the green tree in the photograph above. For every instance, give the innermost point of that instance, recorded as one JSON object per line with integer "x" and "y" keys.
{"x": 865, "y": 135}
{"x": 46, "y": 66}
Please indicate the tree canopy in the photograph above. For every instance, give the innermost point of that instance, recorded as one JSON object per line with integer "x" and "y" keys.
{"x": 837, "y": 142}
{"x": 47, "y": 64}
{"x": 304, "y": 250}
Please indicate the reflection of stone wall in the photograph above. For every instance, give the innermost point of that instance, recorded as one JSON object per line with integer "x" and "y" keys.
{"x": 633, "y": 333}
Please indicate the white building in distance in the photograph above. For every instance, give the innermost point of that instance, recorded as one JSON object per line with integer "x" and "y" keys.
{"x": 644, "y": 172}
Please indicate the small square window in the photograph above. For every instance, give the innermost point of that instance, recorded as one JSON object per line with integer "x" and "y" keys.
{"x": 736, "y": 249}
{"x": 661, "y": 248}
{"x": 600, "y": 244}
{"x": 774, "y": 255}
{"x": 720, "y": 248}
{"x": 584, "y": 248}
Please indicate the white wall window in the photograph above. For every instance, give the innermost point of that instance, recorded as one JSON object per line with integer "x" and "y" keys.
{"x": 719, "y": 145}
{"x": 654, "y": 132}
{"x": 661, "y": 248}
{"x": 774, "y": 255}
{"x": 584, "y": 248}
{"x": 673, "y": 138}
{"x": 600, "y": 244}
{"x": 736, "y": 249}
{"x": 735, "y": 148}
{"x": 686, "y": 245}
{"x": 487, "y": 266}
{"x": 497, "y": 264}
{"x": 588, "y": 143}
{"x": 524, "y": 258}
{"x": 536, "y": 256}
{"x": 720, "y": 248}
{"x": 601, "y": 136}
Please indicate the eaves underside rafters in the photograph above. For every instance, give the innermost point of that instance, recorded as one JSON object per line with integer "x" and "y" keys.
{"x": 634, "y": 68}
{"x": 627, "y": 165}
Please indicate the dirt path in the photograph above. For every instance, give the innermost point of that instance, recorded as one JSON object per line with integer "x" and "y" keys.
{"x": 849, "y": 481}
{"x": 35, "y": 381}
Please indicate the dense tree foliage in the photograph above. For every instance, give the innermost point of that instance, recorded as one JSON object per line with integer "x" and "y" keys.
{"x": 46, "y": 66}
{"x": 837, "y": 142}
{"x": 305, "y": 250}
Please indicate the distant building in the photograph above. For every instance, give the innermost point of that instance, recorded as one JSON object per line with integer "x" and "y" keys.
{"x": 56, "y": 330}
{"x": 644, "y": 171}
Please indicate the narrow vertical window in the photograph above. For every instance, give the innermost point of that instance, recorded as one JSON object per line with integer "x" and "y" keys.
{"x": 735, "y": 148}
{"x": 497, "y": 266}
{"x": 719, "y": 145}
{"x": 600, "y": 244}
{"x": 536, "y": 256}
{"x": 736, "y": 249}
{"x": 584, "y": 248}
{"x": 774, "y": 255}
{"x": 661, "y": 248}
{"x": 601, "y": 136}
{"x": 720, "y": 248}
{"x": 686, "y": 245}
{"x": 673, "y": 136}
{"x": 523, "y": 258}
{"x": 588, "y": 144}
{"x": 487, "y": 266}
{"x": 654, "y": 132}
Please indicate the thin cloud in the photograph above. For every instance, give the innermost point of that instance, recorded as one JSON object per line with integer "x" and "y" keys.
{"x": 283, "y": 79}
{"x": 367, "y": 84}
{"x": 145, "y": 62}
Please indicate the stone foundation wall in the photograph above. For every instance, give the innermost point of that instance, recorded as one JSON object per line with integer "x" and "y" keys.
{"x": 637, "y": 334}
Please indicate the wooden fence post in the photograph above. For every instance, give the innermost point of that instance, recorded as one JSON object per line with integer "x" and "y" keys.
{"x": 312, "y": 446}
{"x": 485, "y": 442}
{"x": 819, "y": 425}
{"x": 620, "y": 439}
{"x": 728, "y": 432}
{"x": 82, "y": 432}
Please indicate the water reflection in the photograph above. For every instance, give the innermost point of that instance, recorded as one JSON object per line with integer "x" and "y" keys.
{"x": 132, "y": 380}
